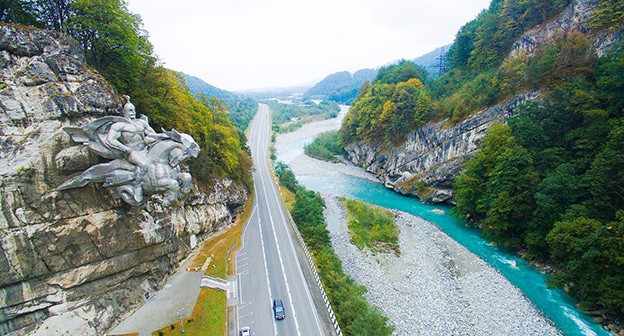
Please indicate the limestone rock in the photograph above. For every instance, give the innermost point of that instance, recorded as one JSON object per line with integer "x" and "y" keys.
{"x": 431, "y": 156}
{"x": 76, "y": 262}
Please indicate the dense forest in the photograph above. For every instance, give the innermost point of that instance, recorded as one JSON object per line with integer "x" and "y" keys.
{"x": 549, "y": 183}
{"x": 116, "y": 45}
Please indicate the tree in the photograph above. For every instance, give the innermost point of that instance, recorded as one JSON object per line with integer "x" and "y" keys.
{"x": 509, "y": 196}
{"x": 470, "y": 185}
{"x": 113, "y": 41}
{"x": 591, "y": 255}
{"x": 20, "y": 12}
{"x": 55, "y": 13}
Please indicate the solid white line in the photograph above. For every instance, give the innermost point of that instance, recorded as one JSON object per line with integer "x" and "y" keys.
{"x": 279, "y": 255}
{"x": 266, "y": 267}
{"x": 290, "y": 240}
{"x": 238, "y": 253}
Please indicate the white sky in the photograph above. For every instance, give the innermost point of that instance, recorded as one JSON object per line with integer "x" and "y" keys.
{"x": 250, "y": 44}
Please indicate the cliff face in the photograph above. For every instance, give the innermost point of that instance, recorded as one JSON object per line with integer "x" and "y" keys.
{"x": 431, "y": 156}
{"x": 426, "y": 164}
{"x": 77, "y": 261}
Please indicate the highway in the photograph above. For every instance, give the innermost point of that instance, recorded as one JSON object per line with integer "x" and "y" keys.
{"x": 269, "y": 264}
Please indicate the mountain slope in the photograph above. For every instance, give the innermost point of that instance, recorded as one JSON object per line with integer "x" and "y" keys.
{"x": 521, "y": 133}
{"x": 197, "y": 86}
{"x": 241, "y": 109}
{"x": 341, "y": 87}
{"x": 431, "y": 60}
{"x": 78, "y": 261}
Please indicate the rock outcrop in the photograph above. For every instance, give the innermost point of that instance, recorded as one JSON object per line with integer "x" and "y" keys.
{"x": 425, "y": 165}
{"x": 575, "y": 17}
{"x": 78, "y": 261}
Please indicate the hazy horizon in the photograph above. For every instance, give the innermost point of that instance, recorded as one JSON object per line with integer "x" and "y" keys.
{"x": 244, "y": 45}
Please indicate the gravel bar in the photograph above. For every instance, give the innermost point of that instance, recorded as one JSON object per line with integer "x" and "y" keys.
{"x": 436, "y": 286}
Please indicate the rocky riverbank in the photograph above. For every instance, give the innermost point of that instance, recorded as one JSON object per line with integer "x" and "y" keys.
{"x": 436, "y": 286}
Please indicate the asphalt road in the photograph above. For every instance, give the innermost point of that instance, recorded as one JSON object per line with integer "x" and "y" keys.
{"x": 269, "y": 265}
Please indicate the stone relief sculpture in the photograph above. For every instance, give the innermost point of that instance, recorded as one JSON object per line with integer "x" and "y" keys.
{"x": 143, "y": 163}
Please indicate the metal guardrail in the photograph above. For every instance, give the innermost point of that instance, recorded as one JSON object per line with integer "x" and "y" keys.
{"x": 328, "y": 307}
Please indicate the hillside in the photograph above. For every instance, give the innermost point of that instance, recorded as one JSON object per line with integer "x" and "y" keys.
{"x": 197, "y": 86}
{"x": 241, "y": 108}
{"x": 523, "y": 133}
{"x": 431, "y": 60}
{"x": 79, "y": 260}
{"x": 341, "y": 87}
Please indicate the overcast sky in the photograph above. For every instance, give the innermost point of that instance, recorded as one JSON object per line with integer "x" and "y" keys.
{"x": 252, "y": 44}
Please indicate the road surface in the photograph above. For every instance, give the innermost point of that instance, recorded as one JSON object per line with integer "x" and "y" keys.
{"x": 269, "y": 265}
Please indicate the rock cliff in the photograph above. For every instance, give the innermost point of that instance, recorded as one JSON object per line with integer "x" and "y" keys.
{"x": 426, "y": 164}
{"x": 78, "y": 261}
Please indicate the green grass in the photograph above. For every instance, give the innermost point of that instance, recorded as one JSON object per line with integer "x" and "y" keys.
{"x": 208, "y": 318}
{"x": 371, "y": 226}
{"x": 325, "y": 147}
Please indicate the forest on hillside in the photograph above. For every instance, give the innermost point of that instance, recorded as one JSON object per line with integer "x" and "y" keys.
{"x": 116, "y": 45}
{"x": 241, "y": 108}
{"x": 549, "y": 183}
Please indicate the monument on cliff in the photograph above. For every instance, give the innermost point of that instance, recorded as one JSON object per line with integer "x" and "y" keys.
{"x": 143, "y": 162}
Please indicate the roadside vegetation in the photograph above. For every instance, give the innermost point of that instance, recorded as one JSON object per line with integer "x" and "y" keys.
{"x": 326, "y": 146}
{"x": 355, "y": 315}
{"x": 371, "y": 227}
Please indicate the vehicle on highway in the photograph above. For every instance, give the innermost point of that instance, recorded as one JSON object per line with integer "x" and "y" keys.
{"x": 245, "y": 331}
{"x": 278, "y": 309}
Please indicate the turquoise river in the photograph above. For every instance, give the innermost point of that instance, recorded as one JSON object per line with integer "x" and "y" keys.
{"x": 554, "y": 303}
{"x": 347, "y": 181}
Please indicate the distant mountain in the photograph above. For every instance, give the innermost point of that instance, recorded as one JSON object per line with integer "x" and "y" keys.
{"x": 197, "y": 86}
{"x": 431, "y": 60}
{"x": 342, "y": 87}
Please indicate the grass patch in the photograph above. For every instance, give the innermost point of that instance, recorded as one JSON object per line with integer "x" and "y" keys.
{"x": 325, "y": 147}
{"x": 208, "y": 318}
{"x": 287, "y": 197}
{"x": 371, "y": 226}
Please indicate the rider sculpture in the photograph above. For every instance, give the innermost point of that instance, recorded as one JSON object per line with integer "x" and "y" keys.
{"x": 143, "y": 163}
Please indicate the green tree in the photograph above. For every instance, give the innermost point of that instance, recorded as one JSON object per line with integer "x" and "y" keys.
{"x": 509, "y": 196}
{"x": 114, "y": 41}
{"x": 20, "y": 12}
{"x": 400, "y": 72}
{"x": 553, "y": 196}
{"x": 470, "y": 185}
{"x": 592, "y": 260}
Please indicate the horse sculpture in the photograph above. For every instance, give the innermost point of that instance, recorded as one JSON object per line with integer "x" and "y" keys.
{"x": 144, "y": 163}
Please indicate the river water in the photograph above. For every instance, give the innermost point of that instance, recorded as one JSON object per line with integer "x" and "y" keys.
{"x": 352, "y": 182}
